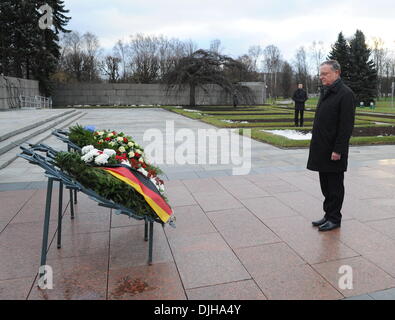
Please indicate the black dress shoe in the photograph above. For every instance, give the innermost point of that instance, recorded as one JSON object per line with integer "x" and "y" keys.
{"x": 319, "y": 222}
{"x": 327, "y": 226}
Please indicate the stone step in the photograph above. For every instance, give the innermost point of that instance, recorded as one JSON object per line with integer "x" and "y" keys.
{"x": 20, "y": 138}
{"x": 10, "y": 156}
{"x": 33, "y": 125}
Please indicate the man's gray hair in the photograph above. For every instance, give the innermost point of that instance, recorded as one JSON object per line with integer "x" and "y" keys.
{"x": 333, "y": 64}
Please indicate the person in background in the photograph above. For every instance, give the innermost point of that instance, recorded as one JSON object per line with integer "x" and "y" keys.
{"x": 300, "y": 98}
{"x": 235, "y": 100}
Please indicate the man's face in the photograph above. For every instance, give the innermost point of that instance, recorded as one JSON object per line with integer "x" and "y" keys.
{"x": 300, "y": 86}
{"x": 328, "y": 75}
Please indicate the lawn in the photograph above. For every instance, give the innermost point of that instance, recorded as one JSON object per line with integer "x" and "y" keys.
{"x": 370, "y": 128}
{"x": 384, "y": 105}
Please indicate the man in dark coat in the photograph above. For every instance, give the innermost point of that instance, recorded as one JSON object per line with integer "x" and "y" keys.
{"x": 300, "y": 97}
{"x": 333, "y": 126}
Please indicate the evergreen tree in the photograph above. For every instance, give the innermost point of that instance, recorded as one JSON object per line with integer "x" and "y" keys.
{"x": 363, "y": 74}
{"x": 341, "y": 52}
{"x": 286, "y": 79}
{"x": 26, "y": 51}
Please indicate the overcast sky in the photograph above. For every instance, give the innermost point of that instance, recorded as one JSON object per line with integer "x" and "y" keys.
{"x": 240, "y": 24}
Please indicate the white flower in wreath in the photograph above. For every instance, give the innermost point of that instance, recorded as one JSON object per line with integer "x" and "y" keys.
{"x": 112, "y": 143}
{"x": 110, "y": 134}
{"x": 87, "y": 149}
{"x": 100, "y": 133}
{"x": 90, "y": 155}
{"x": 130, "y": 144}
{"x": 109, "y": 152}
{"x": 131, "y": 154}
{"x": 155, "y": 183}
{"x": 121, "y": 149}
{"x": 143, "y": 171}
{"x": 126, "y": 163}
{"x": 141, "y": 159}
{"x": 120, "y": 139}
{"x": 87, "y": 158}
{"x": 102, "y": 159}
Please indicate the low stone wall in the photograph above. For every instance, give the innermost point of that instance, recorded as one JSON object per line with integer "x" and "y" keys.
{"x": 11, "y": 88}
{"x": 143, "y": 94}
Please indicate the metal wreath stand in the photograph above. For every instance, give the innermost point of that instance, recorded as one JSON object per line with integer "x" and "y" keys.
{"x": 34, "y": 154}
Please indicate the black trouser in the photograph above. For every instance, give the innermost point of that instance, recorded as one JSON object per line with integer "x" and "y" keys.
{"x": 297, "y": 112}
{"x": 332, "y": 187}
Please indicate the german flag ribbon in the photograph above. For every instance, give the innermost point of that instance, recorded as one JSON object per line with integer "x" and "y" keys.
{"x": 145, "y": 187}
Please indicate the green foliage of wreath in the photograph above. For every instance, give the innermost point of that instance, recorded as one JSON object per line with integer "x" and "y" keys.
{"x": 103, "y": 183}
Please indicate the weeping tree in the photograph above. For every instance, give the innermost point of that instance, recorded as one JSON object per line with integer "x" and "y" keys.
{"x": 203, "y": 68}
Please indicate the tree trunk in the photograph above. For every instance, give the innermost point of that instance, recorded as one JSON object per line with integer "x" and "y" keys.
{"x": 27, "y": 68}
{"x": 192, "y": 88}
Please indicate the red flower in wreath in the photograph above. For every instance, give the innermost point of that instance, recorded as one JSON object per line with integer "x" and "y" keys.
{"x": 121, "y": 157}
{"x": 134, "y": 163}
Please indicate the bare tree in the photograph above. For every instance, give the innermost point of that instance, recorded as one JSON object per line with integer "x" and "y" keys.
{"x": 215, "y": 46}
{"x": 243, "y": 71}
{"x": 110, "y": 67}
{"x": 80, "y": 56}
{"x": 73, "y": 57}
{"x": 301, "y": 67}
{"x": 92, "y": 50}
{"x": 272, "y": 65}
{"x": 379, "y": 54}
{"x": 151, "y": 57}
{"x": 317, "y": 56}
{"x": 144, "y": 59}
{"x": 169, "y": 52}
{"x": 121, "y": 51}
{"x": 254, "y": 53}
{"x": 189, "y": 48}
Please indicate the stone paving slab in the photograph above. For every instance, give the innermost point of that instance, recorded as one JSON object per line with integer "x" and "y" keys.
{"x": 237, "y": 237}
{"x": 253, "y": 253}
{"x": 240, "y": 290}
{"x": 135, "y": 122}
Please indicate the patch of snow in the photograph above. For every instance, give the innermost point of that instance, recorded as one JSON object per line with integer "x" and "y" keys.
{"x": 189, "y": 110}
{"x": 291, "y": 134}
{"x": 231, "y": 121}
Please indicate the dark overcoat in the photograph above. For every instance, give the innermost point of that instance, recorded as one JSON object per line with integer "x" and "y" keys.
{"x": 300, "y": 97}
{"x": 332, "y": 129}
